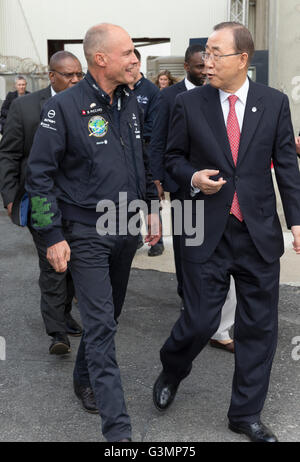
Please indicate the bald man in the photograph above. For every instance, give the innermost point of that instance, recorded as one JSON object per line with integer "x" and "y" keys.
{"x": 92, "y": 145}
{"x": 23, "y": 119}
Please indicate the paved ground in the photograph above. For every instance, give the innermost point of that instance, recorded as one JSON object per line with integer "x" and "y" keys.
{"x": 36, "y": 398}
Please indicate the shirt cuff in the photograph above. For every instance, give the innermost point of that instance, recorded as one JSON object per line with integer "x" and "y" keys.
{"x": 194, "y": 191}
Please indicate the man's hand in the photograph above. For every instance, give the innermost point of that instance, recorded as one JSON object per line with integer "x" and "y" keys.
{"x": 58, "y": 256}
{"x": 160, "y": 190}
{"x": 154, "y": 229}
{"x": 202, "y": 181}
{"x": 9, "y": 209}
{"x": 296, "y": 243}
{"x": 297, "y": 141}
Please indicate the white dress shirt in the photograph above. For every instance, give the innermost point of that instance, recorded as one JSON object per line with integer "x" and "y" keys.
{"x": 240, "y": 107}
{"x": 189, "y": 85}
{"x": 53, "y": 92}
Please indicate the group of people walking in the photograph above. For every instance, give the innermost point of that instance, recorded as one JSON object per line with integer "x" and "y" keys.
{"x": 212, "y": 143}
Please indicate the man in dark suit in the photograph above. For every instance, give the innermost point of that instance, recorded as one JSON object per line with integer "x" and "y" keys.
{"x": 195, "y": 77}
{"x": 194, "y": 68}
{"x": 20, "y": 84}
{"x": 57, "y": 290}
{"x": 222, "y": 141}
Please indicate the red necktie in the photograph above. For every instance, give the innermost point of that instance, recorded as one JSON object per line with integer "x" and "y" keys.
{"x": 234, "y": 135}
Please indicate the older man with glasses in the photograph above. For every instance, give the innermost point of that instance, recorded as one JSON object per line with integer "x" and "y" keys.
{"x": 57, "y": 290}
{"x": 222, "y": 141}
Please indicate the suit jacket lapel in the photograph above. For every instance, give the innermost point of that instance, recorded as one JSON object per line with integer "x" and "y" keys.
{"x": 215, "y": 118}
{"x": 253, "y": 113}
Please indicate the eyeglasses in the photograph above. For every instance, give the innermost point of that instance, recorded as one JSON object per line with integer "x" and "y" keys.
{"x": 70, "y": 75}
{"x": 215, "y": 57}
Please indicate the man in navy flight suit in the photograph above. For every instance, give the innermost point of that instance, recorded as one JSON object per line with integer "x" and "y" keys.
{"x": 147, "y": 95}
{"x": 88, "y": 149}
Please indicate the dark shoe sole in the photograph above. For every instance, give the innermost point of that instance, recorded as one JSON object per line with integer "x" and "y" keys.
{"x": 89, "y": 410}
{"x": 59, "y": 349}
{"x": 235, "y": 429}
{"x": 155, "y": 254}
{"x": 239, "y": 431}
{"x": 74, "y": 335}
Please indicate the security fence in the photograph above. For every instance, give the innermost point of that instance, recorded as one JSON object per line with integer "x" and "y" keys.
{"x": 13, "y": 66}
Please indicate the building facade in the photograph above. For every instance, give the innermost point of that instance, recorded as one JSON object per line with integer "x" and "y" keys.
{"x": 31, "y": 30}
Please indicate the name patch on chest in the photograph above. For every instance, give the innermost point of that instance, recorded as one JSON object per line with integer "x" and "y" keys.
{"x": 88, "y": 112}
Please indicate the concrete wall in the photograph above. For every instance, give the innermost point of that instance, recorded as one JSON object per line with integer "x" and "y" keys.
{"x": 26, "y": 25}
{"x": 285, "y": 52}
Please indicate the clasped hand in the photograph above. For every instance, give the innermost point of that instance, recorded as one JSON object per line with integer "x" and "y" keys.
{"x": 202, "y": 181}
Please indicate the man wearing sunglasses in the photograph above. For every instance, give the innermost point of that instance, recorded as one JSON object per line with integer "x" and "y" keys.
{"x": 57, "y": 290}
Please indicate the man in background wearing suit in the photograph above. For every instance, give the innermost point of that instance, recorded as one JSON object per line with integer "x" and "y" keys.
{"x": 20, "y": 84}
{"x": 57, "y": 290}
{"x": 223, "y": 138}
{"x": 195, "y": 77}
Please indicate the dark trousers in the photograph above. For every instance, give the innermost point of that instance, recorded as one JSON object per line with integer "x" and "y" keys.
{"x": 57, "y": 290}
{"x": 255, "y": 335}
{"x": 177, "y": 247}
{"x": 100, "y": 267}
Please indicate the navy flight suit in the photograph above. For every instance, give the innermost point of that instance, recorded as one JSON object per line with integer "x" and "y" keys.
{"x": 85, "y": 151}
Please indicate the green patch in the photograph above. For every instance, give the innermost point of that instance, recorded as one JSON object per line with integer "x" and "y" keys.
{"x": 40, "y": 208}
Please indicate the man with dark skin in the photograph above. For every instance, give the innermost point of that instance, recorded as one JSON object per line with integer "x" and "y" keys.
{"x": 57, "y": 290}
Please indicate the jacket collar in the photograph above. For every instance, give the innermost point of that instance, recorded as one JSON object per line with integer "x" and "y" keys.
{"x": 139, "y": 82}
{"x": 122, "y": 91}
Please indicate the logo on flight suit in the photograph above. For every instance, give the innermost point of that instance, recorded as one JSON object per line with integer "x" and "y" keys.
{"x": 98, "y": 126}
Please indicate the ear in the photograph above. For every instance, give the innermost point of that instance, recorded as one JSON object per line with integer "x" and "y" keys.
{"x": 186, "y": 67}
{"x": 100, "y": 59}
{"x": 244, "y": 60}
{"x": 51, "y": 76}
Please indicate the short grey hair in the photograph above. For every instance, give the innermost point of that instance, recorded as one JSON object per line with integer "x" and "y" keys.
{"x": 96, "y": 39}
{"x": 60, "y": 56}
{"x": 20, "y": 77}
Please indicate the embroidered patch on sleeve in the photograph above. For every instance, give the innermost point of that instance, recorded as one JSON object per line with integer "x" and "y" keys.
{"x": 40, "y": 212}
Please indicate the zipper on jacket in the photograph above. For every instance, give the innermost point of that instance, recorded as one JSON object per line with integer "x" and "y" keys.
{"x": 138, "y": 190}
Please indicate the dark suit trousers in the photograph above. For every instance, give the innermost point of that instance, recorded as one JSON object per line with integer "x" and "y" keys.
{"x": 205, "y": 289}
{"x": 57, "y": 290}
{"x": 177, "y": 246}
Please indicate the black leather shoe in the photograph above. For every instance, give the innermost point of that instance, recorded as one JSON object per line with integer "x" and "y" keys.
{"x": 72, "y": 326}
{"x": 60, "y": 344}
{"x": 87, "y": 398}
{"x": 257, "y": 432}
{"x": 164, "y": 392}
{"x": 156, "y": 250}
